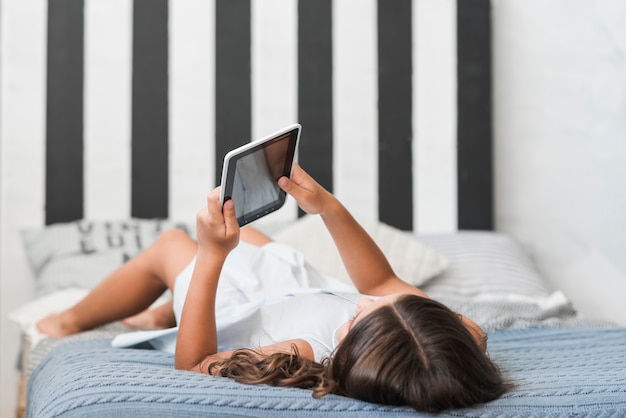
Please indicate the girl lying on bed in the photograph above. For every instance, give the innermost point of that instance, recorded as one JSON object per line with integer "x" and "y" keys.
{"x": 394, "y": 346}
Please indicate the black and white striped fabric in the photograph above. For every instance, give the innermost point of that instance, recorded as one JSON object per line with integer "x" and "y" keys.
{"x": 132, "y": 104}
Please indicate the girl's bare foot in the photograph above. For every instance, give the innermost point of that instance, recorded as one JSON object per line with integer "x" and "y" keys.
{"x": 143, "y": 320}
{"x": 157, "y": 318}
{"x": 57, "y": 325}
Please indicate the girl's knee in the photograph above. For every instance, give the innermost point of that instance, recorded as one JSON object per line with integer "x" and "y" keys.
{"x": 172, "y": 243}
{"x": 173, "y": 235}
{"x": 173, "y": 250}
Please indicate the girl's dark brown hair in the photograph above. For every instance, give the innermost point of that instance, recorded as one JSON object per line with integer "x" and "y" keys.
{"x": 278, "y": 369}
{"x": 414, "y": 352}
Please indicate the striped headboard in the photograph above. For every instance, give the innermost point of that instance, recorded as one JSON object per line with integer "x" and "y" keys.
{"x": 131, "y": 104}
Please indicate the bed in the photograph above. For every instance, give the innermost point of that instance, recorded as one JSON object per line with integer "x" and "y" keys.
{"x": 561, "y": 363}
{"x": 127, "y": 152}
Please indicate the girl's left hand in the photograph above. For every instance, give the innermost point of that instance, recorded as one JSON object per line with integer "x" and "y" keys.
{"x": 310, "y": 195}
{"x": 217, "y": 227}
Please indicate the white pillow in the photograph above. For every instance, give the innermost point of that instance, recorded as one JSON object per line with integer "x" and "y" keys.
{"x": 484, "y": 264}
{"x": 27, "y": 315}
{"x": 81, "y": 253}
{"x": 411, "y": 260}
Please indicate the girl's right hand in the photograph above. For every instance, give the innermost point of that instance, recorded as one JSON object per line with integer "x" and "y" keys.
{"x": 217, "y": 226}
{"x": 310, "y": 195}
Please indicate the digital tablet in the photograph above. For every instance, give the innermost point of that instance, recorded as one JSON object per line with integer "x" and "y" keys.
{"x": 251, "y": 172}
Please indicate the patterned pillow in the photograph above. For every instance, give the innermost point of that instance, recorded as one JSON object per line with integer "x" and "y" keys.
{"x": 80, "y": 254}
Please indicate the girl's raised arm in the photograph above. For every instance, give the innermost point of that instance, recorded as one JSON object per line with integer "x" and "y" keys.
{"x": 218, "y": 234}
{"x": 365, "y": 262}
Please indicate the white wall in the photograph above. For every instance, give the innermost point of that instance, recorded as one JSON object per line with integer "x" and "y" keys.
{"x": 560, "y": 131}
{"x": 21, "y": 169}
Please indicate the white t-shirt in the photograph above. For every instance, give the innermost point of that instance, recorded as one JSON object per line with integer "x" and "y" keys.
{"x": 266, "y": 295}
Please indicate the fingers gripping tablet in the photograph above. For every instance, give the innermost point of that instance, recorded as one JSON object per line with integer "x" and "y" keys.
{"x": 250, "y": 174}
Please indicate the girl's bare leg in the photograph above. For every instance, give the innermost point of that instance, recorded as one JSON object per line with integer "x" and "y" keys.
{"x": 163, "y": 316}
{"x": 129, "y": 290}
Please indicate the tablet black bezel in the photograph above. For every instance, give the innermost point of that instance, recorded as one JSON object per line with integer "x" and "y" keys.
{"x": 292, "y": 137}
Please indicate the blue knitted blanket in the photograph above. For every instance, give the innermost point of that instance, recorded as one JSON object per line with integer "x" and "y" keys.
{"x": 557, "y": 372}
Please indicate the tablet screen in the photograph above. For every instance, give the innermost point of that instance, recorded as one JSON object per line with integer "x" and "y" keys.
{"x": 252, "y": 172}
